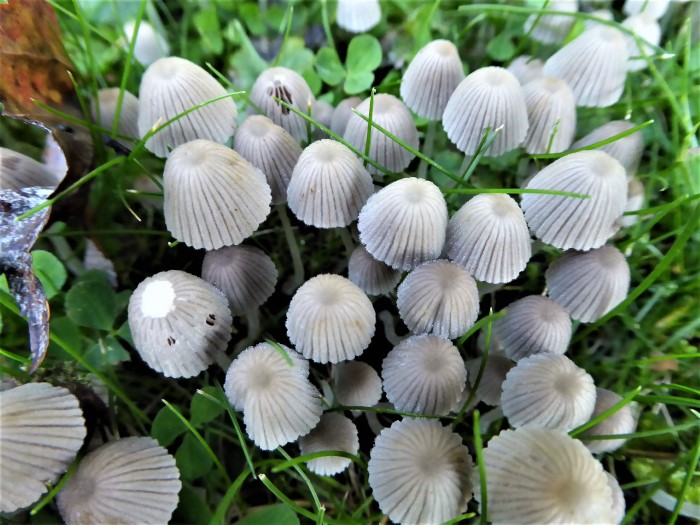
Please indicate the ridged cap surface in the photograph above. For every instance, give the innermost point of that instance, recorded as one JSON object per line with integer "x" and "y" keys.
{"x": 551, "y": 110}
{"x": 333, "y": 432}
{"x": 372, "y": 276}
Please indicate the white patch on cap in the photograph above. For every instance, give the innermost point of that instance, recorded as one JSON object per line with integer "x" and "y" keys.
{"x": 158, "y": 299}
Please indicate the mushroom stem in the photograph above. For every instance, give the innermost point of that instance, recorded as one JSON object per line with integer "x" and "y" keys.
{"x": 347, "y": 240}
{"x": 427, "y": 149}
{"x": 293, "y": 248}
{"x": 223, "y": 361}
{"x": 252, "y": 318}
{"x": 389, "y": 329}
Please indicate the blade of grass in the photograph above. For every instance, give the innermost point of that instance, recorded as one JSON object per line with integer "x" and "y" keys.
{"x": 56, "y": 488}
{"x": 288, "y": 18}
{"x": 479, "y": 453}
{"x": 515, "y": 191}
{"x": 220, "y": 515}
{"x": 368, "y": 138}
{"x": 690, "y": 473}
{"x": 607, "y": 413}
{"x": 307, "y": 481}
{"x": 284, "y": 499}
{"x": 479, "y": 325}
{"x": 291, "y": 462}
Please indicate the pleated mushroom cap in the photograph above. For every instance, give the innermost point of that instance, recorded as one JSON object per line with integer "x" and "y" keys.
{"x": 392, "y": 115}
{"x": 430, "y": 79}
{"x": 550, "y": 391}
{"x": 627, "y": 150}
{"x": 594, "y": 65}
{"x": 342, "y": 114}
{"x": 329, "y": 185}
{"x": 279, "y": 403}
{"x": 41, "y": 430}
{"x": 358, "y": 16}
{"x": 589, "y": 284}
{"x": 552, "y": 29}
{"x": 571, "y": 222}
{"x": 171, "y": 86}
{"x": 356, "y": 384}
{"x": 621, "y": 422}
{"x": 489, "y": 237}
{"x": 438, "y": 297}
{"x": 333, "y": 432}
{"x": 533, "y": 325}
{"x": 653, "y": 8}
{"x": 424, "y": 374}
{"x": 19, "y": 171}
{"x": 646, "y": 28}
{"x": 131, "y": 481}
{"x": 271, "y": 149}
{"x": 404, "y": 223}
{"x": 128, "y": 117}
{"x": 539, "y": 475}
{"x": 213, "y": 197}
{"x": 635, "y": 202}
{"x": 526, "y": 68}
{"x": 330, "y": 319}
{"x": 491, "y": 384}
{"x": 551, "y": 110}
{"x": 290, "y": 87}
{"x": 372, "y": 276}
{"x": 179, "y": 323}
{"x": 419, "y": 472}
{"x": 618, "y": 498}
{"x": 245, "y": 274}
{"x": 488, "y": 97}
{"x": 150, "y": 44}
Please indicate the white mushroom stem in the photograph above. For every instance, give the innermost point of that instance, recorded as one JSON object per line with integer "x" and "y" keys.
{"x": 427, "y": 149}
{"x": 389, "y": 329}
{"x": 297, "y": 263}
{"x": 223, "y": 361}
{"x": 252, "y": 321}
{"x": 347, "y": 240}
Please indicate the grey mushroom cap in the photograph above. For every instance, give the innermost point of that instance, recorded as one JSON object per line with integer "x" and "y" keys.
{"x": 356, "y": 384}
{"x": 551, "y": 110}
{"x": 627, "y": 150}
{"x": 526, "y": 68}
{"x": 333, "y": 432}
{"x": 342, "y": 114}
{"x": 552, "y": 29}
{"x": 19, "y": 171}
{"x": 128, "y": 124}
{"x": 372, "y": 276}
{"x": 491, "y": 384}
{"x": 621, "y": 422}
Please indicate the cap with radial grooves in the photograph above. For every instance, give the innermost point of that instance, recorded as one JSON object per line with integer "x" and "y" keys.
{"x": 333, "y": 432}
{"x": 372, "y": 276}
{"x": 551, "y": 109}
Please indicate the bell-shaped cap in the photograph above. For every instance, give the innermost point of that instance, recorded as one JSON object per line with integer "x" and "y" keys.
{"x": 356, "y": 384}
{"x": 358, "y": 16}
{"x": 329, "y": 185}
{"x": 491, "y": 383}
{"x": 330, "y": 319}
{"x": 627, "y": 150}
{"x": 653, "y": 8}
{"x": 430, "y": 79}
{"x": 552, "y": 29}
{"x": 271, "y": 149}
{"x": 404, "y": 223}
{"x": 551, "y": 109}
{"x": 372, "y": 276}
{"x": 648, "y": 30}
{"x": 342, "y": 114}
{"x": 213, "y": 197}
{"x": 150, "y": 44}
{"x": 19, "y": 171}
{"x": 489, "y": 237}
{"x": 620, "y": 422}
{"x": 170, "y": 86}
{"x": 635, "y": 202}
{"x": 179, "y": 323}
{"x": 333, "y": 432}
{"x": 618, "y": 506}
{"x": 419, "y": 472}
{"x": 526, "y": 68}
{"x": 589, "y": 284}
{"x": 128, "y": 124}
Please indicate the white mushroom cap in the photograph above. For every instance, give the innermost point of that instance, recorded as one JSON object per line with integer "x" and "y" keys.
{"x": 150, "y": 45}
{"x": 571, "y": 222}
{"x": 41, "y": 430}
{"x": 372, "y": 276}
{"x": 653, "y": 8}
{"x": 438, "y": 297}
{"x": 342, "y": 114}
{"x": 179, "y": 323}
{"x": 533, "y": 325}
{"x": 245, "y": 274}
{"x": 603, "y": 14}
{"x": 279, "y": 403}
{"x": 356, "y": 384}
{"x": 646, "y": 28}
{"x": 539, "y": 475}
{"x": 627, "y": 150}
{"x": 589, "y": 284}
{"x": 94, "y": 259}
{"x": 404, "y": 223}
{"x": 430, "y": 79}
{"x": 551, "y": 110}
{"x": 526, "y": 69}
{"x": 128, "y": 116}
{"x": 358, "y": 16}
{"x": 290, "y": 87}
{"x": 419, "y": 472}
{"x": 271, "y": 149}
{"x": 18, "y": 171}
{"x": 594, "y": 65}
{"x": 131, "y": 481}
{"x": 635, "y": 202}
{"x": 329, "y": 185}
{"x": 550, "y": 391}
{"x": 618, "y": 506}
{"x": 333, "y": 432}
{"x": 489, "y": 237}
{"x": 552, "y": 29}
{"x": 424, "y": 374}
{"x": 488, "y": 97}
{"x": 621, "y": 422}
{"x": 491, "y": 384}
{"x": 330, "y": 319}
{"x": 392, "y": 115}
{"x": 173, "y": 85}
{"x": 213, "y": 197}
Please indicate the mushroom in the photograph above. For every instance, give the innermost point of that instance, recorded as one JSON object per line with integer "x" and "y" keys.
{"x": 356, "y": 384}
{"x": 128, "y": 124}
{"x": 621, "y": 422}
{"x": 491, "y": 385}
{"x": 150, "y": 44}
{"x": 342, "y": 114}
{"x": 358, "y": 16}
{"x": 372, "y": 276}
{"x": 648, "y": 30}
{"x": 653, "y": 8}
{"x": 635, "y": 202}
{"x": 526, "y": 68}
{"x": 551, "y": 110}
{"x": 626, "y": 150}
{"x": 333, "y": 432}
{"x": 552, "y": 29}
{"x": 19, "y": 171}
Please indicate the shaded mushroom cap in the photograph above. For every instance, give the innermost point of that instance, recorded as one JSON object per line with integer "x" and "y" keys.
{"x": 94, "y": 259}
{"x": 495, "y": 371}
{"x": 330, "y": 319}
{"x": 621, "y": 422}
{"x": 561, "y": 482}
{"x": 618, "y": 498}
{"x": 594, "y": 65}
{"x": 171, "y": 86}
{"x": 552, "y": 29}
{"x": 41, "y": 430}
{"x": 19, "y": 171}
{"x": 356, "y": 384}
{"x": 419, "y": 472}
{"x": 438, "y": 297}
{"x": 333, "y": 432}
{"x": 179, "y": 323}
{"x": 589, "y": 284}
{"x": 323, "y": 114}
{"x": 571, "y": 222}
{"x": 131, "y": 481}
{"x": 372, "y": 276}
{"x": 424, "y": 374}
{"x": 150, "y": 44}
{"x": 358, "y": 16}
{"x": 430, "y": 79}
{"x": 488, "y": 97}
{"x": 627, "y": 150}
{"x": 290, "y": 87}
{"x": 653, "y": 8}
{"x": 213, "y": 197}
{"x": 548, "y": 390}
{"x": 329, "y": 185}
{"x": 128, "y": 117}
{"x": 526, "y": 68}
{"x": 279, "y": 403}
{"x": 551, "y": 110}
{"x": 489, "y": 237}
{"x": 646, "y": 28}
{"x": 392, "y": 115}
{"x": 635, "y": 202}
{"x": 245, "y": 274}
{"x": 533, "y": 325}
{"x": 271, "y": 149}
{"x": 342, "y": 114}
{"x": 603, "y": 14}
{"x": 404, "y": 223}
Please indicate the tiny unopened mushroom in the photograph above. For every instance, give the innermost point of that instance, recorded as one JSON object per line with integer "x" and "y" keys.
{"x": 372, "y": 276}
{"x": 356, "y": 384}
{"x": 19, "y": 171}
{"x": 620, "y": 422}
{"x": 626, "y": 150}
{"x": 551, "y": 109}
{"x": 552, "y": 29}
{"x": 358, "y": 16}
{"x": 333, "y": 432}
